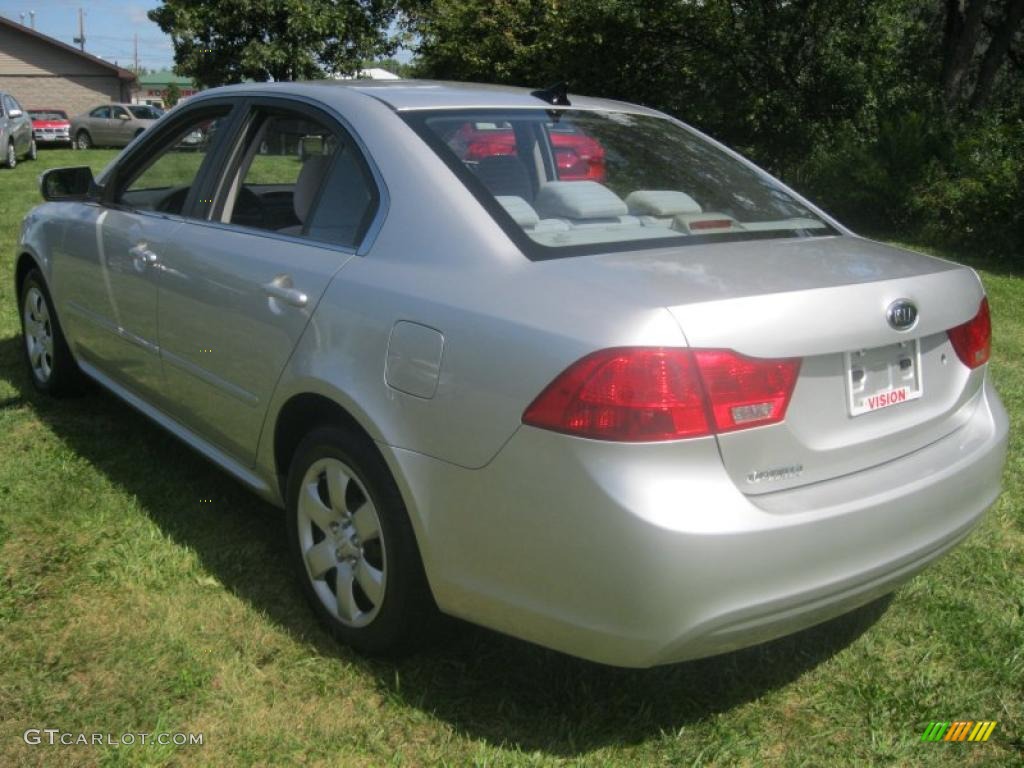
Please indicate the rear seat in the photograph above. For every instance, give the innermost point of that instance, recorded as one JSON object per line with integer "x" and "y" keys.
{"x": 659, "y": 207}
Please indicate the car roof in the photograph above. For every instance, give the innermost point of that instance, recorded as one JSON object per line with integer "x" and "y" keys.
{"x": 406, "y": 95}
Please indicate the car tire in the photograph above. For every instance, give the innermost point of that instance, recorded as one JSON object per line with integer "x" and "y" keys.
{"x": 33, "y": 150}
{"x": 11, "y": 156}
{"x": 356, "y": 558}
{"x": 83, "y": 140}
{"x": 51, "y": 366}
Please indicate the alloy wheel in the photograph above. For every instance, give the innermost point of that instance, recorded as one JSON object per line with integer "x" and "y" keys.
{"x": 341, "y": 542}
{"x": 12, "y": 156}
{"x": 38, "y": 334}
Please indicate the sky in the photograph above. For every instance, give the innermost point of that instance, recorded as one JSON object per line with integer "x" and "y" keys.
{"x": 109, "y": 28}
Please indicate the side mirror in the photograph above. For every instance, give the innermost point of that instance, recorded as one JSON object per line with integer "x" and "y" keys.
{"x": 75, "y": 183}
{"x": 124, "y": 117}
{"x": 15, "y": 113}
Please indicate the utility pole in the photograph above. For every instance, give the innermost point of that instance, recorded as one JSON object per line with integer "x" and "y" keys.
{"x": 32, "y": 18}
{"x": 81, "y": 31}
{"x": 136, "y": 53}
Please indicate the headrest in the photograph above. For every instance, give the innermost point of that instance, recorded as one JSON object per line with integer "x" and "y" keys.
{"x": 522, "y": 212}
{"x": 306, "y": 186}
{"x": 661, "y": 202}
{"x": 504, "y": 175}
{"x": 578, "y": 200}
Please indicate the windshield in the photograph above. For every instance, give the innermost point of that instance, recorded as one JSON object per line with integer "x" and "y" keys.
{"x": 145, "y": 112}
{"x": 564, "y": 182}
{"x": 47, "y": 114}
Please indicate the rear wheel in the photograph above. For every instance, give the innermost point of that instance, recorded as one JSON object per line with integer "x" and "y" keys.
{"x": 50, "y": 363}
{"x": 11, "y": 156}
{"x": 353, "y": 547}
{"x": 33, "y": 152}
{"x": 83, "y": 140}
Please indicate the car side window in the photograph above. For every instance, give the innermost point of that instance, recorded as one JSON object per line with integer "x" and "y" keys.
{"x": 347, "y": 201}
{"x": 100, "y": 112}
{"x": 163, "y": 183}
{"x": 8, "y": 104}
{"x": 120, "y": 111}
{"x": 298, "y": 176}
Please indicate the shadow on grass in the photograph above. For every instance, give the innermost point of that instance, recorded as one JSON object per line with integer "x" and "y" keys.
{"x": 485, "y": 685}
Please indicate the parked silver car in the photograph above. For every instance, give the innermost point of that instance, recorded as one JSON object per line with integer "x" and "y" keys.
{"x": 16, "y": 139}
{"x": 661, "y": 410}
{"x": 112, "y": 125}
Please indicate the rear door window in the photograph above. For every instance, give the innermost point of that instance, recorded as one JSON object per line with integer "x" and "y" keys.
{"x": 301, "y": 176}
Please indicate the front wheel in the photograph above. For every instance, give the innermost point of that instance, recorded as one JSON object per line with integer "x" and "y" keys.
{"x": 353, "y": 547}
{"x": 11, "y": 157}
{"x": 83, "y": 140}
{"x": 50, "y": 363}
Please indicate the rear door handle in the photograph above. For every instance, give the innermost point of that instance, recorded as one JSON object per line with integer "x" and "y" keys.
{"x": 282, "y": 289}
{"x": 142, "y": 256}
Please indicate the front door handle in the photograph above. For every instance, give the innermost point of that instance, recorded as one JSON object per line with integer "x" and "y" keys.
{"x": 142, "y": 256}
{"x": 282, "y": 289}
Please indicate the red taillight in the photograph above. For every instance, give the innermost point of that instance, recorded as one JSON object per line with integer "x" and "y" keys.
{"x": 746, "y": 391}
{"x": 973, "y": 340}
{"x": 642, "y": 394}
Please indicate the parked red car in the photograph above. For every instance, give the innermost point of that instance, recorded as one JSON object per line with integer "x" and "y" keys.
{"x": 50, "y": 126}
{"x": 578, "y": 156}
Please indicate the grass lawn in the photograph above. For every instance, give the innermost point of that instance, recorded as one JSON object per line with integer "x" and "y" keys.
{"x": 128, "y": 605}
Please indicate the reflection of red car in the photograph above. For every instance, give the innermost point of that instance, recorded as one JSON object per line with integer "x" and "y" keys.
{"x": 578, "y": 156}
{"x": 50, "y": 126}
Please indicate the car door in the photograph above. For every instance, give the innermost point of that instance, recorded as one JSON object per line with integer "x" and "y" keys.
{"x": 128, "y": 237}
{"x": 97, "y": 124}
{"x": 290, "y": 208}
{"x": 122, "y": 129}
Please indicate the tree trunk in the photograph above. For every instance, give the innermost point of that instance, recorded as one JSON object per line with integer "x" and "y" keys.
{"x": 996, "y": 52}
{"x": 963, "y": 28}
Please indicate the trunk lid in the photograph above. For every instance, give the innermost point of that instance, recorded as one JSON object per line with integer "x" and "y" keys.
{"x": 824, "y": 300}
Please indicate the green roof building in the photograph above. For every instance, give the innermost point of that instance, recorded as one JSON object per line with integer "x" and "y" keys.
{"x": 152, "y": 88}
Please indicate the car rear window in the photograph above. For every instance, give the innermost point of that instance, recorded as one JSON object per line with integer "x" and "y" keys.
{"x": 566, "y": 182}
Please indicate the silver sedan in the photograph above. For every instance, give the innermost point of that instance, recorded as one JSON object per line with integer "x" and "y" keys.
{"x": 561, "y": 366}
{"x": 112, "y": 125}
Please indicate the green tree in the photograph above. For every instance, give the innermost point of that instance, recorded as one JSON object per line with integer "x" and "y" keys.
{"x": 767, "y": 76}
{"x": 171, "y": 95}
{"x": 233, "y": 40}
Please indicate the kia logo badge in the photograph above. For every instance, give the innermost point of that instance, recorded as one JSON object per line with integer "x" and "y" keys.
{"x": 902, "y": 314}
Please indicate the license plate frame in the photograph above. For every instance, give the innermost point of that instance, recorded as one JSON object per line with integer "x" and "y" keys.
{"x": 882, "y": 377}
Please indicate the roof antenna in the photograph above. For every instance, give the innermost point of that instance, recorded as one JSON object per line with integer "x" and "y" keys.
{"x": 556, "y": 94}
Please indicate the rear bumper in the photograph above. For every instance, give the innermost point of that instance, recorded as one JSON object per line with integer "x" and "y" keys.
{"x": 648, "y": 554}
